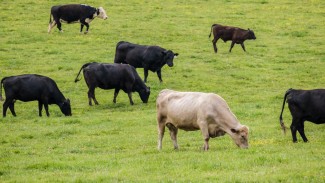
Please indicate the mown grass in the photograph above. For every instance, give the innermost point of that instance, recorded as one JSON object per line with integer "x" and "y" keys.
{"x": 117, "y": 142}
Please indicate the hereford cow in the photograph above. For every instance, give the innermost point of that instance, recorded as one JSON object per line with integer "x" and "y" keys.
{"x": 304, "y": 105}
{"x": 191, "y": 111}
{"x": 73, "y": 13}
{"x": 226, "y": 33}
{"x": 118, "y": 76}
{"x": 151, "y": 58}
{"x": 31, "y": 87}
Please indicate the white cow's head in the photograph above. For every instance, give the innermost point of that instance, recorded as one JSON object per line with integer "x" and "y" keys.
{"x": 240, "y": 136}
{"x": 101, "y": 13}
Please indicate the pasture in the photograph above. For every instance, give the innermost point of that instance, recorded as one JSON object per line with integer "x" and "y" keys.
{"x": 118, "y": 142}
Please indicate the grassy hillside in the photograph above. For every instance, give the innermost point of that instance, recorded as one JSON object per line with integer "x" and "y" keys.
{"x": 118, "y": 142}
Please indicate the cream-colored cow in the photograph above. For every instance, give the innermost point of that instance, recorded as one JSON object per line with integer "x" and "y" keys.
{"x": 191, "y": 111}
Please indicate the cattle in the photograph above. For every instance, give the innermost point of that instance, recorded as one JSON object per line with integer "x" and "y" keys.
{"x": 73, "y": 13}
{"x": 304, "y": 105}
{"x": 31, "y": 87}
{"x": 113, "y": 76}
{"x": 192, "y": 111}
{"x": 151, "y": 58}
{"x": 226, "y": 33}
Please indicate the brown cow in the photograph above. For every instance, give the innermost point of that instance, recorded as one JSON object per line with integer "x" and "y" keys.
{"x": 226, "y": 33}
{"x": 191, "y": 111}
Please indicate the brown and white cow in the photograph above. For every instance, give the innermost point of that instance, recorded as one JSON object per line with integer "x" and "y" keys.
{"x": 192, "y": 111}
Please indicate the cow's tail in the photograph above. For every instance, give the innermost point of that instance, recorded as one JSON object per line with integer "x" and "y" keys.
{"x": 1, "y": 99}
{"x": 85, "y": 65}
{"x": 281, "y": 120}
{"x": 50, "y": 18}
{"x": 211, "y": 29}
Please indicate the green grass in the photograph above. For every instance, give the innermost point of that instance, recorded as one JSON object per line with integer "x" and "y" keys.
{"x": 118, "y": 142}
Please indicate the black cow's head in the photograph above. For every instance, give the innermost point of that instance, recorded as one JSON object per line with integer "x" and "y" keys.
{"x": 144, "y": 94}
{"x": 251, "y": 34}
{"x": 169, "y": 57}
{"x": 66, "y": 107}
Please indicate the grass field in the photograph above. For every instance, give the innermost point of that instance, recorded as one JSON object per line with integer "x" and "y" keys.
{"x": 118, "y": 142}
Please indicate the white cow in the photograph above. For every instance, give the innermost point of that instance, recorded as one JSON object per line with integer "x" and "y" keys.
{"x": 191, "y": 111}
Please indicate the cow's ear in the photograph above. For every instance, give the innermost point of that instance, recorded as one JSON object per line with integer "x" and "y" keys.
{"x": 176, "y": 54}
{"x": 234, "y": 130}
{"x": 164, "y": 52}
{"x": 97, "y": 11}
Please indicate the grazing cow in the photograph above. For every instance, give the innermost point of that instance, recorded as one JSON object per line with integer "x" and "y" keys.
{"x": 151, "y": 58}
{"x": 31, "y": 87}
{"x": 226, "y": 33}
{"x": 304, "y": 105}
{"x": 118, "y": 76}
{"x": 191, "y": 111}
{"x": 73, "y": 13}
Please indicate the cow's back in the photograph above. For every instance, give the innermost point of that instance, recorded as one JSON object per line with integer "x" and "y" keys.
{"x": 108, "y": 76}
{"x": 138, "y": 56}
{"x": 185, "y": 109}
{"x": 28, "y": 87}
{"x": 308, "y": 103}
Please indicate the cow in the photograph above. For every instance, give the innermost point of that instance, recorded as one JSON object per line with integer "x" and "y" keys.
{"x": 226, "y": 33}
{"x": 72, "y": 13}
{"x": 304, "y": 105}
{"x": 31, "y": 87}
{"x": 192, "y": 111}
{"x": 113, "y": 76}
{"x": 151, "y": 58}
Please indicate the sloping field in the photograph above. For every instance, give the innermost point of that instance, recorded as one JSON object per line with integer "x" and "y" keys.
{"x": 118, "y": 142}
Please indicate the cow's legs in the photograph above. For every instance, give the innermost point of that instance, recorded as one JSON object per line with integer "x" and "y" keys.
{"x": 83, "y": 22}
{"x": 40, "y": 107}
{"x": 145, "y": 74}
{"x": 81, "y": 27}
{"x": 205, "y": 133}
{"x": 115, "y": 94}
{"x": 293, "y": 131}
{"x": 58, "y": 23}
{"x": 46, "y": 107}
{"x": 91, "y": 95}
{"x": 214, "y": 42}
{"x": 51, "y": 25}
{"x": 130, "y": 97}
{"x": 6, "y": 105}
{"x": 173, "y": 134}
{"x": 301, "y": 130}
{"x": 243, "y": 46}
{"x": 12, "y": 108}
{"x": 232, "y": 45}
{"x": 161, "y": 130}
{"x": 159, "y": 75}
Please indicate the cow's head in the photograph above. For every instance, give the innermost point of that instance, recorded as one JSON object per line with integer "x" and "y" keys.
{"x": 240, "y": 136}
{"x": 66, "y": 107}
{"x": 251, "y": 34}
{"x": 169, "y": 57}
{"x": 101, "y": 13}
{"x": 144, "y": 94}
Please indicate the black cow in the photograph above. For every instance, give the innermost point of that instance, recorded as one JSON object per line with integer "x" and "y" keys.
{"x": 151, "y": 58}
{"x": 73, "y": 13}
{"x": 118, "y": 76}
{"x": 226, "y": 33}
{"x": 304, "y": 105}
{"x": 31, "y": 87}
